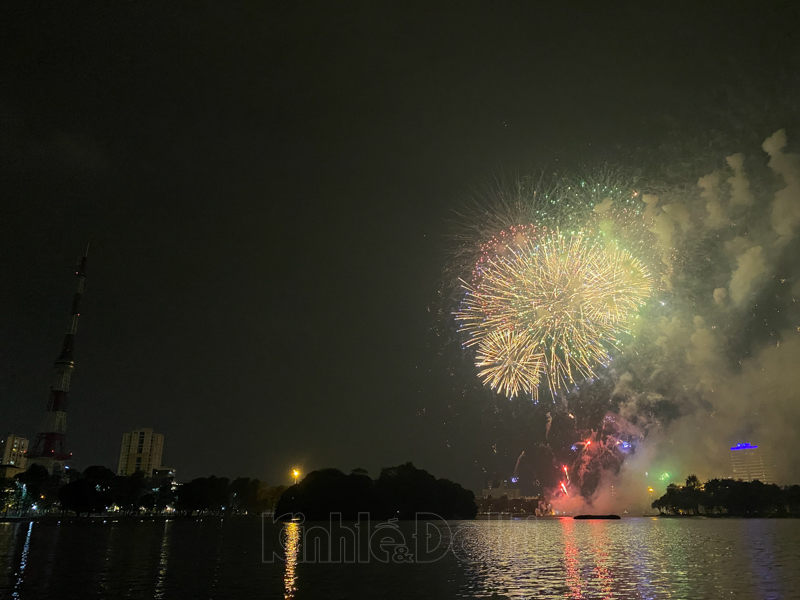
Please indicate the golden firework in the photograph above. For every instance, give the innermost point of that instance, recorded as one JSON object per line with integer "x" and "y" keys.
{"x": 509, "y": 363}
{"x": 550, "y": 305}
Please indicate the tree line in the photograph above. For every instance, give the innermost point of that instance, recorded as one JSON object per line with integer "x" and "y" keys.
{"x": 97, "y": 490}
{"x": 399, "y": 492}
{"x": 729, "y": 497}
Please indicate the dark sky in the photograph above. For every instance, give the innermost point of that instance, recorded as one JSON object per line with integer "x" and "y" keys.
{"x": 268, "y": 190}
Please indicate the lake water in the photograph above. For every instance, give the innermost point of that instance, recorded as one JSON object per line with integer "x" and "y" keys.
{"x": 553, "y": 558}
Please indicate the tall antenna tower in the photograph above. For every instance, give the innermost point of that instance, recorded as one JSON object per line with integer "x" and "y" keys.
{"x": 49, "y": 448}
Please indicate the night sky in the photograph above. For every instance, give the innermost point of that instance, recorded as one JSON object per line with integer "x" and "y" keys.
{"x": 268, "y": 189}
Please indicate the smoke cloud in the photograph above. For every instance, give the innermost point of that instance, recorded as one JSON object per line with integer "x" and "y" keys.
{"x": 752, "y": 267}
{"x": 724, "y": 353}
{"x": 738, "y": 380}
{"x": 709, "y": 184}
{"x": 786, "y": 207}
{"x": 740, "y": 186}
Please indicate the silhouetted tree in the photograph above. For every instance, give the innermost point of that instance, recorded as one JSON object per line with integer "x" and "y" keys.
{"x": 99, "y": 475}
{"x": 148, "y": 501}
{"x": 35, "y": 481}
{"x": 328, "y": 491}
{"x": 401, "y": 492}
{"x": 405, "y": 490}
{"x": 726, "y": 496}
{"x": 82, "y": 496}
{"x": 8, "y": 488}
{"x": 204, "y": 494}
{"x": 126, "y": 492}
{"x": 166, "y": 496}
{"x": 268, "y": 496}
{"x": 791, "y": 499}
{"x": 244, "y": 495}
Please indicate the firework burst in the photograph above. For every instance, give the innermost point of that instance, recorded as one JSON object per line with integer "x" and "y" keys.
{"x": 605, "y": 203}
{"x": 509, "y": 362}
{"x": 547, "y": 305}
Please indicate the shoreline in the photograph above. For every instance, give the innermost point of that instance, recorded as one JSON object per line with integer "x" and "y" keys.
{"x": 117, "y": 517}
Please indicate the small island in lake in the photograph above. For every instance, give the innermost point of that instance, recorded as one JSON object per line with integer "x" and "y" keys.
{"x": 399, "y": 492}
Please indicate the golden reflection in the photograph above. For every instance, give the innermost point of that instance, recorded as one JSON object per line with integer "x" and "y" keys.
{"x": 602, "y": 558}
{"x": 571, "y": 559}
{"x": 292, "y": 547}
{"x": 163, "y": 559}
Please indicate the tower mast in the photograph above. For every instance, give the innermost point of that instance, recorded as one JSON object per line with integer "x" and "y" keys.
{"x": 49, "y": 448}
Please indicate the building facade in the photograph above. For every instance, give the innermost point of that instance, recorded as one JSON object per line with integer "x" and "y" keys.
{"x": 13, "y": 449}
{"x": 749, "y": 463}
{"x": 503, "y": 489}
{"x": 141, "y": 451}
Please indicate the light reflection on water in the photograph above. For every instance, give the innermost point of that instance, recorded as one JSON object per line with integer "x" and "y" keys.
{"x": 163, "y": 560}
{"x": 572, "y": 565}
{"x": 549, "y": 558}
{"x": 292, "y": 546}
{"x": 19, "y": 576}
{"x": 635, "y": 558}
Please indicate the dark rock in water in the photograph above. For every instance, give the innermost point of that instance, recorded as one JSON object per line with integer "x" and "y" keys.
{"x": 596, "y": 517}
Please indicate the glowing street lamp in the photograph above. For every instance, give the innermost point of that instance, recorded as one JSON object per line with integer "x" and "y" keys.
{"x": 295, "y": 474}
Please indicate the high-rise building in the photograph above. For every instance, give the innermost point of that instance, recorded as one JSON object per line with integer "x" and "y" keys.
{"x": 49, "y": 447}
{"x": 141, "y": 451}
{"x": 749, "y": 463}
{"x": 13, "y": 449}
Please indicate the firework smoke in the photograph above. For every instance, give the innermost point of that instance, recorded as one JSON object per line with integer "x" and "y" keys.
{"x": 713, "y": 358}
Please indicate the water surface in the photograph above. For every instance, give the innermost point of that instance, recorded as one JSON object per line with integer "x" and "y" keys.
{"x": 558, "y": 558}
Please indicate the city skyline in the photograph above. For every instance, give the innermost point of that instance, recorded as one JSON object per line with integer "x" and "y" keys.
{"x": 273, "y": 221}
{"x": 483, "y": 300}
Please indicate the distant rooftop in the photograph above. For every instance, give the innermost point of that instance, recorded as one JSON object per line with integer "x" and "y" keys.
{"x": 743, "y": 446}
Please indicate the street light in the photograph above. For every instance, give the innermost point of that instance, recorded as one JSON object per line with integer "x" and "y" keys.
{"x": 295, "y": 474}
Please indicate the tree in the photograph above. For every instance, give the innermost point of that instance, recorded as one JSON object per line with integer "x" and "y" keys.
{"x": 100, "y": 476}
{"x": 791, "y": 498}
{"x": 126, "y": 492}
{"x": 7, "y": 490}
{"x": 717, "y": 494}
{"x": 166, "y": 496}
{"x": 244, "y": 495}
{"x": 148, "y": 501}
{"x": 268, "y": 496}
{"x": 327, "y": 491}
{"x": 205, "y": 493}
{"x": 406, "y": 490}
{"x": 82, "y": 496}
{"x": 726, "y": 496}
{"x": 33, "y": 483}
{"x": 401, "y": 492}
